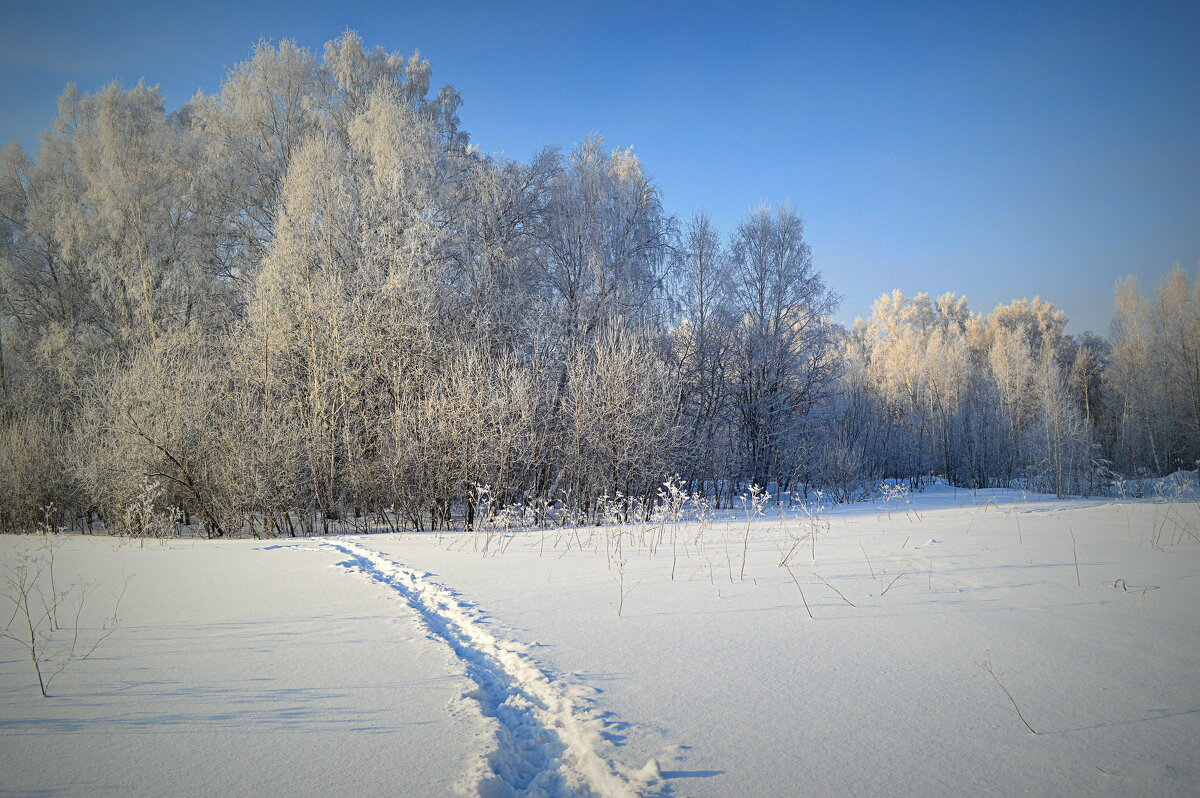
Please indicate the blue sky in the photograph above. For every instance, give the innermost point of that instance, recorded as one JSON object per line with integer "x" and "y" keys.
{"x": 998, "y": 150}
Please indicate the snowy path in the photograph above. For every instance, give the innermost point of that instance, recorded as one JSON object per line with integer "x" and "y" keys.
{"x": 547, "y": 741}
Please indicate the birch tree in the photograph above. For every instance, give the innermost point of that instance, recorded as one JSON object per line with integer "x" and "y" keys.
{"x": 785, "y": 344}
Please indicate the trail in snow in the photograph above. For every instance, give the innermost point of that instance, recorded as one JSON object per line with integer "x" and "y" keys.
{"x": 547, "y": 742}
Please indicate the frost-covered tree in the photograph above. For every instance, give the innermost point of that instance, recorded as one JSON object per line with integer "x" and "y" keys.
{"x": 305, "y": 302}
{"x": 1154, "y": 377}
{"x": 702, "y": 346}
{"x": 620, "y": 409}
{"x": 785, "y": 343}
{"x": 603, "y": 242}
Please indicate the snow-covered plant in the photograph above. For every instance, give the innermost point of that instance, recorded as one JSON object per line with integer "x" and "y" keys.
{"x": 811, "y": 523}
{"x": 704, "y": 512}
{"x": 34, "y": 622}
{"x": 754, "y": 505}
{"x": 497, "y": 527}
{"x": 622, "y": 589}
{"x": 1180, "y": 486}
{"x": 897, "y": 494}
{"x": 672, "y": 499}
{"x": 144, "y": 517}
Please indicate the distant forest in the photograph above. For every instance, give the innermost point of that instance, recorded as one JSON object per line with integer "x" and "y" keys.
{"x": 309, "y": 300}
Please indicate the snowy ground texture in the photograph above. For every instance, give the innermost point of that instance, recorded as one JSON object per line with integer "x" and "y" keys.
{"x": 420, "y": 665}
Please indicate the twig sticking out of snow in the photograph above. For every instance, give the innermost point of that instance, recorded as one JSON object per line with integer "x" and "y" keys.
{"x": 864, "y": 551}
{"x": 1075, "y": 554}
{"x": 798, "y": 587}
{"x": 986, "y": 667}
{"x": 894, "y": 581}
{"x": 835, "y": 590}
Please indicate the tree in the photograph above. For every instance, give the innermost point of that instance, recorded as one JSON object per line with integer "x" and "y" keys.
{"x": 702, "y": 346}
{"x": 785, "y": 363}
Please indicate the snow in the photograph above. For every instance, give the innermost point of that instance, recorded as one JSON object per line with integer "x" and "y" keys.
{"x": 546, "y": 743}
{"x": 234, "y": 671}
{"x": 414, "y": 664}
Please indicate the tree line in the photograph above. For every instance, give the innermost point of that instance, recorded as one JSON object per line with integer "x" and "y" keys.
{"x": 308, "y": 299}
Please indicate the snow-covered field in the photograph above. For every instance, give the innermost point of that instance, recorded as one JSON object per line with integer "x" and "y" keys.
{"x": 417, "y": 665}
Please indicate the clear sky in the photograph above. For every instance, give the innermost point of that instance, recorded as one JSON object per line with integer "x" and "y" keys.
{"x": 998, "y": 150}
